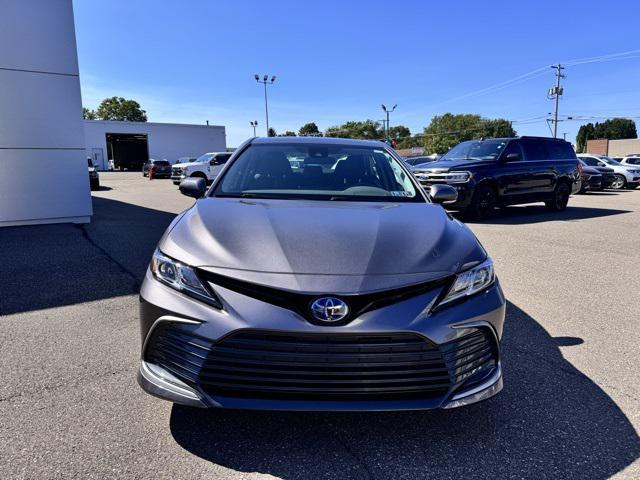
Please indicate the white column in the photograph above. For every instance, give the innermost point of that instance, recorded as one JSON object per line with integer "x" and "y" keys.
{"x": 43, "y": 167}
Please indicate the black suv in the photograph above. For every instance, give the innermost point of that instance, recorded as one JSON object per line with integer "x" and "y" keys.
{"x": 506, "y": 171}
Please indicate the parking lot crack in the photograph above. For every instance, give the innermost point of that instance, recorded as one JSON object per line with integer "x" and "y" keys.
{"x": 110, "y": 258}
{"x": 361, "y": 462}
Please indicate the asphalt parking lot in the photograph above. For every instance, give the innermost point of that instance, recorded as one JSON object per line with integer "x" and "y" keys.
{"x": 69, "y": 343}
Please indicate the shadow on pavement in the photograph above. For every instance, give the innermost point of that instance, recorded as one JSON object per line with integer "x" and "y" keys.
{"x": 550, "y": 421}
{"x": 53, "y": 265}
{"x": 517, "y": 215}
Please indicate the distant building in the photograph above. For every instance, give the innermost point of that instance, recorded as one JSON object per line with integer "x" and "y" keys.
{"x": 131, "y": 144}
{"x": 614, "y": 148}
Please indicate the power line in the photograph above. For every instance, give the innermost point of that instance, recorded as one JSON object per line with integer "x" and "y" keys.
{"x": 630, "y": 54}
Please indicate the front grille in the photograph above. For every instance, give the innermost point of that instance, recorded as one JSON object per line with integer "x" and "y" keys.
{"x": 313, "y": 366}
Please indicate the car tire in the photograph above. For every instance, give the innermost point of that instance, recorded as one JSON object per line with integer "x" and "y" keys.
{"x": 560, "y": 198}
{"x": 619, "y": 183}
{"x": 483, "y": 203}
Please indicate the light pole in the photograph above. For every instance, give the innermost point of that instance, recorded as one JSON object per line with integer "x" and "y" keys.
{"x": 387, "y": 111}
{"x": 265, "y": 81}
{"x": 254, "y": 124}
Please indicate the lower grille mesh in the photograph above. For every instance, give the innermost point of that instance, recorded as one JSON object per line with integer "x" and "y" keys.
{"x": 312, "y": 366}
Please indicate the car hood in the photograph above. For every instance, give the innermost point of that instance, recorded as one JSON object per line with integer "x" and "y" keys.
{"x": 188, "y": 164}
{"x": 446, "y": 165}
{"x": 320, "y": 246}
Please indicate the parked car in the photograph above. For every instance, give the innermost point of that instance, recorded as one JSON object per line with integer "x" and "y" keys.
{"x": 329, "y": 289}
{"x": 590, "y": 179}
{"x": 94, "y": 178}
{"x": 506, "y": 171}
{"x": 161, "y": 168}
{"x": 631, "y": 160}
{"x": 206, "y": 166}
{"x": 608, "y": 175}
{"x": 414, "y": 161}
{"x": 627, "y": 176}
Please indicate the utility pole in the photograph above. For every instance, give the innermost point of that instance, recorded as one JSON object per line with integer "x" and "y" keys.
{"x": 555, "y": 93}
{"x": 265, "y": 82}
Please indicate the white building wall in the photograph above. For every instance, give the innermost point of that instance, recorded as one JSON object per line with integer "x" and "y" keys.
{"x": 165, "y": 140}
{"x": 622, "y": 148}
{"x": 43, "y": 169}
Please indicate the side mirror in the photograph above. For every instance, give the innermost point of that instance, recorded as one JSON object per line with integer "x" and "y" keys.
{"x": 513, "y": 157}
{"x": 193, "y": 187}
{"x": 443, "y": 194}
{"x": 213, "y": 162}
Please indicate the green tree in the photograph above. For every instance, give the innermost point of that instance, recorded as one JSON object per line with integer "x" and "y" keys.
{"x": 88, "y": 114}
{"x": 362, "y": 130}
{"x": 616, "y": 129}
{"x": 271, "y": 132}
{"x": 399, "y": 132}
{"x": 585, "y": 132}
{"x": 289, "y": 133}
{"x": 446, "y": 131}
{"x": 118, "y": 108}
{"x": 310, "y": 130}
{"x": 410, "y": 142}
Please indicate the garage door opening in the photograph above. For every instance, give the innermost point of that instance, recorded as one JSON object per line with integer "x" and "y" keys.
{"x": 127, "y": 151}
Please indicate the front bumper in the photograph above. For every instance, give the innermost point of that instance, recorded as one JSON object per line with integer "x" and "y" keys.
{"x": 176, "y": 329}
{"x": 592, "y": 182}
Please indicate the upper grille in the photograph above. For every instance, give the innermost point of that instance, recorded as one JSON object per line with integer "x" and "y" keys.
{"x": 313, "y": 366}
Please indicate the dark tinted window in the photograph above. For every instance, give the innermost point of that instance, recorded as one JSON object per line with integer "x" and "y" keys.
{"x": 513, "y": 147}
{"x": 633, "y": 161}
{"x": 534, "y": 149}
{"x": 592, "y": 162}
{"x": 220, "y": 159}
{"x": 476, "y": 150}
{"x": 559, "y": 150}
{"x": 162, "y": 163}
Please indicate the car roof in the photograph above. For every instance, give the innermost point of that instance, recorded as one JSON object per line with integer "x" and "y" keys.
{"x": 517, "y": 138}
{"x": 316, "y": 140}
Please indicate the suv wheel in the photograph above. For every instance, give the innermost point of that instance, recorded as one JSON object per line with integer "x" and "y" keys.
{"x": 483, "y": 203}
{"x": 560, "y": 198}
{"x": 619, "y": 182}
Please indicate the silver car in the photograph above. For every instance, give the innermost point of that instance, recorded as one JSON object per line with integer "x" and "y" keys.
{"x": 338, "y": 285}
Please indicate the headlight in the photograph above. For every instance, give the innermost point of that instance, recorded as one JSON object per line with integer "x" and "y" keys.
{"x": 472, "y": 281}
{"x": 181, "y": 277}
{"x": 458, "y": 177}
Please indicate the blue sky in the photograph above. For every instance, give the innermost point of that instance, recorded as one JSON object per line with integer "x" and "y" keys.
{"x": 192, "y": 61}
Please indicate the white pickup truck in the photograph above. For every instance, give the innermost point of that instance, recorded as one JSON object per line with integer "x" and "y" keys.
{"x": 206, "y": 166}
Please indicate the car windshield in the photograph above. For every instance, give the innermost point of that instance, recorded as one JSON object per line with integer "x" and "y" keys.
{"x": 610, "y": 161}
{"x": 205, "y": 158}
{"x": 475, "y": 150}
{"x": 318, "y": 172}
{"x": 162, "y": 163}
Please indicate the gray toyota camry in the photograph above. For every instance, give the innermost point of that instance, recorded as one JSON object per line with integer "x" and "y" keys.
{"x": 316, "y": 274}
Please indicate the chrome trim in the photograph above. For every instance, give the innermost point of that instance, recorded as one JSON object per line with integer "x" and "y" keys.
{"x": 166, "y": 385}
{"x": 487, "y": 391}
